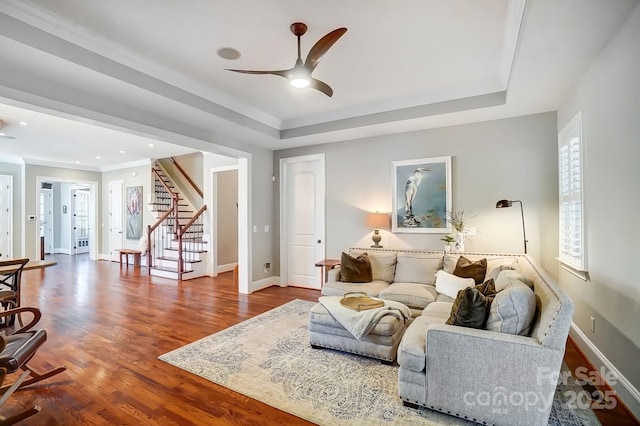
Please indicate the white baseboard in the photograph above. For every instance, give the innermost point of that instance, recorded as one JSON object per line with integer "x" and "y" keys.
{"x": 61, "y": 251}
{"x": 264, "y": 283}
{"x": 622, "y": 386}
{"x": 226, "y": 268}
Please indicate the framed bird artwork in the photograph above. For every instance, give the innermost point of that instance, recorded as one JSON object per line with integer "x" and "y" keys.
{"x": 421, "y": 195}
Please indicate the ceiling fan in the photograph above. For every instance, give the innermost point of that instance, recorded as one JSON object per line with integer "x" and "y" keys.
{"x": 300, "y": 75}
{"x": 3, "y": 135}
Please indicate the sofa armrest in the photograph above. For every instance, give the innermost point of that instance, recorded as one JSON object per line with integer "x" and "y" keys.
{"x": 483, "y": 374}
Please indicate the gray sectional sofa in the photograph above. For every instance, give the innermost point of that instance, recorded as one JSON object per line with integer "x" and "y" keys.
{"x": 501, "y": 375}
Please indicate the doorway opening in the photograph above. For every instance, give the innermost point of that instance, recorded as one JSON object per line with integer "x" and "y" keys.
{"x": 67, "y": 222}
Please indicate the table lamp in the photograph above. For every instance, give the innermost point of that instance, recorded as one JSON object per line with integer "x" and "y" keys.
{"x": 376, "y": 221}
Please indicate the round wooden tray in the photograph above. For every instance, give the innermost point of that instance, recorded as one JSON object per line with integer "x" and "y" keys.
{"x": 360, "y": 301}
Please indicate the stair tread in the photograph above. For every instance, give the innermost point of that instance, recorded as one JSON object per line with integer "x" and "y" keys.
{"x": 174, "y": 259}
{"x": 169, "y": 269}
{"x": 185, "y": 250}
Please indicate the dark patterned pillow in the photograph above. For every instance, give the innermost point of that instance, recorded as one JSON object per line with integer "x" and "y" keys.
{"x": 470, "y": 309}
{"x": 355, "y": 269}
{"x": 468, "y": 269}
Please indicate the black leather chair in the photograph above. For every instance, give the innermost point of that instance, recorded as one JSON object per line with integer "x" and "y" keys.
{"x": 16, "y": 350}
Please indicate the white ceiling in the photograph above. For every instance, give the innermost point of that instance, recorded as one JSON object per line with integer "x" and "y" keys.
{"x": 401, "y": 66}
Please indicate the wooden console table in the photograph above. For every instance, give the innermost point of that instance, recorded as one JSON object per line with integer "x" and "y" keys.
{"x": 326, "y": 265}
{"x": 33, "y": 264}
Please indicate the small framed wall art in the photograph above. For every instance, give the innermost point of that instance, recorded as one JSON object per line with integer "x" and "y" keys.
{"x": 421, "y": 195}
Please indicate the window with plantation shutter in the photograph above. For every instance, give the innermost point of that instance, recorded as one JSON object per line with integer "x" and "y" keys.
{"x": 571, "y": 238}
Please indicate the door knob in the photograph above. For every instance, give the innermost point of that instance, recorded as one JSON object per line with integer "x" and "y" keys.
{"x": 319, "y": 241}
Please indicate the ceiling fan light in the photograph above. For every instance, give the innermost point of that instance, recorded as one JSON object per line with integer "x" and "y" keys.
{"x": 299, "y": 82}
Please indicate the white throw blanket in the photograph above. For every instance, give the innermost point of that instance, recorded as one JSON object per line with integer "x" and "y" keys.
{"x": 359, "y": 324}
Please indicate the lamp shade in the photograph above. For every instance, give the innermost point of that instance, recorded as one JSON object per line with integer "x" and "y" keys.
{"x": 503, "y": 203}
{"x": 377, "y": 220}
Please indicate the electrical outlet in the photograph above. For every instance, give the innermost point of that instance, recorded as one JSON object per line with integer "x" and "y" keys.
{"x": 593, "y": 324}
{"x": 267, "y": 267}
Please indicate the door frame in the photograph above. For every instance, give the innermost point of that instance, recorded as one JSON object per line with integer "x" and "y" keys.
{"x": 113, "y": 255}
{"x": 284, "y": 209}
{"x": 9, "y": 191}
{"x": 50, "y": 232}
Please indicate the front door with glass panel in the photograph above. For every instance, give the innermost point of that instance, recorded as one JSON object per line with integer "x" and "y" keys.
{"x": 80, "y": 220}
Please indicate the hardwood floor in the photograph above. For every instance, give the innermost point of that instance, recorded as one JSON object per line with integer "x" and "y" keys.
{"x": 108, "y": 326}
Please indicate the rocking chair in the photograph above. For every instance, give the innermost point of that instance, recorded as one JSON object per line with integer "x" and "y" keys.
{"x": 16, "y": 350}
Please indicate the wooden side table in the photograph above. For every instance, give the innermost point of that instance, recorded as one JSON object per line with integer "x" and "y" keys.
{"x": 326, "y": 265}
{"x": 137, "y": 254}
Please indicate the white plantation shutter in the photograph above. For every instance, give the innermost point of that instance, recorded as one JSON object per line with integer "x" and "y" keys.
{"x": 572, "y": 242}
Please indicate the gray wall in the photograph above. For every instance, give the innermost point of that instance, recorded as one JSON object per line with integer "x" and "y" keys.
{"x": 227, "y": 216}
{"x": 512, "y": 158}
{"x": 608, "y": 94}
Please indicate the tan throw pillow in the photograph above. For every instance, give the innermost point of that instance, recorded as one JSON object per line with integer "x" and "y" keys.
{"x": 355, "y": 270}
{"x": 383, "y": 265}
{"x": 468, "y": 269}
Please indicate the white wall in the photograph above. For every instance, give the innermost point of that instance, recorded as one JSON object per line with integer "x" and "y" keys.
{"x": 608, "y": 94}
{"x": 512, "y": 158}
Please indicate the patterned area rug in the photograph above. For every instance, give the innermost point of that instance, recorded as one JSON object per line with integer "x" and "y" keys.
{"x": 268, "y": 358}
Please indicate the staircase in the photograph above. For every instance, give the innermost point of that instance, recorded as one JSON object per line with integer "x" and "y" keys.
{"x": 176, "y": 245}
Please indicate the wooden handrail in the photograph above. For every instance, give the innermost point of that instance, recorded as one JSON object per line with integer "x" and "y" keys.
{"x": 159, "y": 221}
{"x": 184, "y": 173}
{"x": 173, "y": 194}
{"x": 187, "y": 225}
{"x": 174, "y": 197}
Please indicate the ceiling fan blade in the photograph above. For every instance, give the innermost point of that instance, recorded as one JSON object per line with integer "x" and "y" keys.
{"x": 281, "y": 73}
{"x": 321, "y": 86}
{"x": 321, "y": 47}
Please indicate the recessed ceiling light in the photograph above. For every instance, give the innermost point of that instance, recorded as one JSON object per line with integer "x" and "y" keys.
{"x": 24, "y": 123}
{"x": 77, "y": 162}
{"x": 228, "y": 53}
{"x": 121, "y": 152}
{"x": 98, "y": 157}
{"x": 151, "y": 145}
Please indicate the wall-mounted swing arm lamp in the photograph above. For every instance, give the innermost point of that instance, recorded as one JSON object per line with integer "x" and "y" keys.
{"x": 508, "y": 203}
{"x": 376, "y": 221}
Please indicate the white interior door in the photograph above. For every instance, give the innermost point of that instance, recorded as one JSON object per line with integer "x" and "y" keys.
{"x": 46, "y": 219}
{"x": 6, "y": 209}
{"x": 303, "y": 219}
{"x": 116, "y": 237}
{"x": 80, "y": 219}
